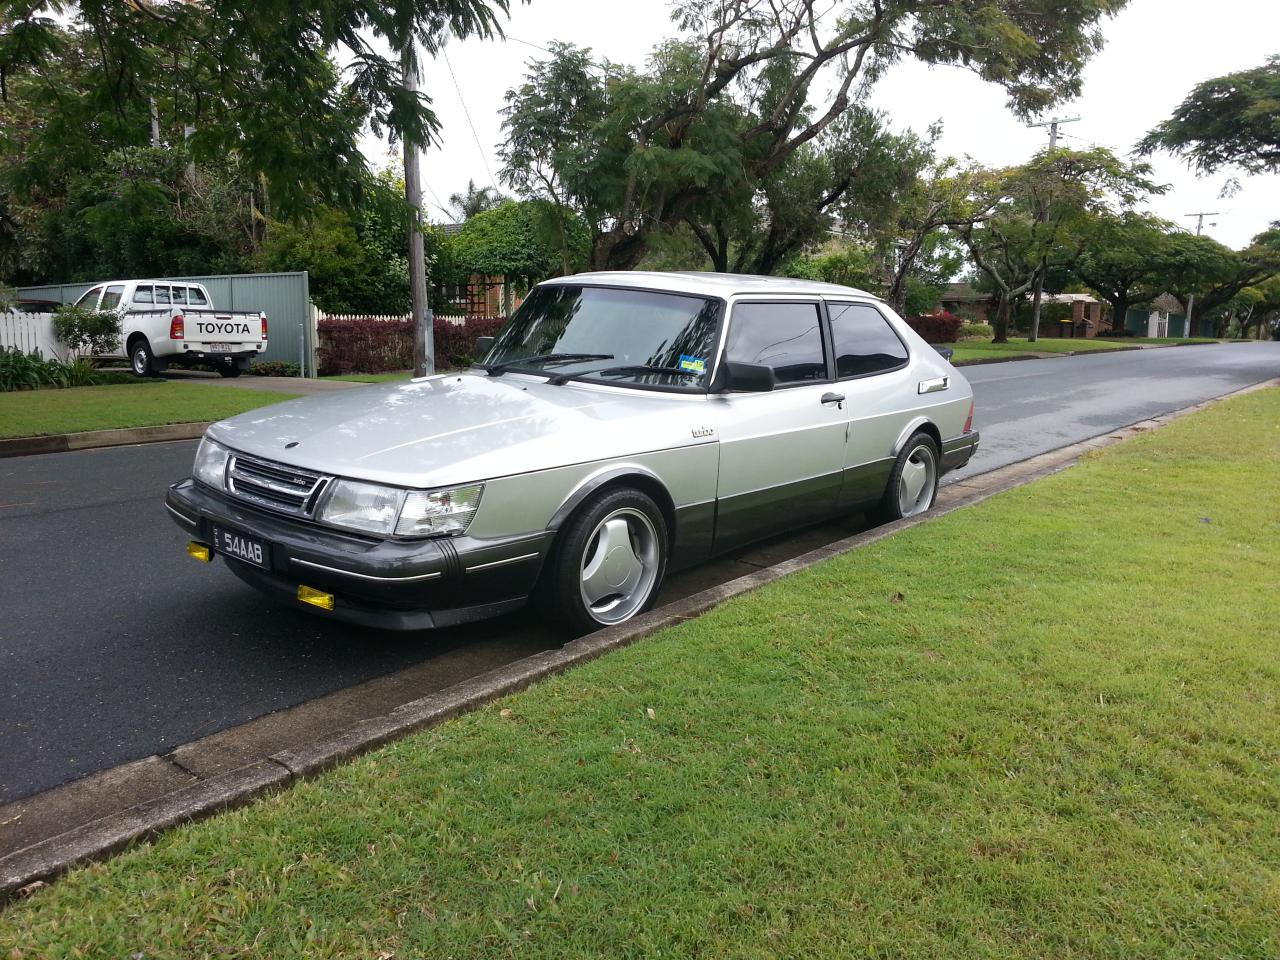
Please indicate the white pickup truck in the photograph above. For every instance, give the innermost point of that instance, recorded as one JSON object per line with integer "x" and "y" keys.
{"x": 167, "y": 322}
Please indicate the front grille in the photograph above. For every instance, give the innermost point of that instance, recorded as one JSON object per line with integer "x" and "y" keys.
{"x": 276, "y": 486}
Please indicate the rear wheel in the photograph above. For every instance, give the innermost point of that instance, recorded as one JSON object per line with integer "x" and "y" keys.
{"x": 141, "y": 359}
{"x": 609, "y": 562}
{"x": 913, "y": 482}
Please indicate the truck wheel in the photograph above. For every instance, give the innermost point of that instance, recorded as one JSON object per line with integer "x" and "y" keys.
{"x": 141, "y": 359}
{"x": 913, "y": 482}
{"x": 608, "y": 563}
{"x": 231, "y": 369}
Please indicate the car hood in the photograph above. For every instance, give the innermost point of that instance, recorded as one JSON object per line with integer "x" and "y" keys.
{"x": 459, "y": 428}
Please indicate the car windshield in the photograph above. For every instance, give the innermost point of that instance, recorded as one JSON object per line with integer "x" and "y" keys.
{"x": 627, "y": 337}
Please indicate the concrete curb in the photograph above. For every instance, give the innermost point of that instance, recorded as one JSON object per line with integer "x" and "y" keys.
{"x": 92, "y": 439}
{"x": 50, "y": 857}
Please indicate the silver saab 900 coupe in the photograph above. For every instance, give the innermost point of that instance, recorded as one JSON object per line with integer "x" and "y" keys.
{"x": 621, "y": 425}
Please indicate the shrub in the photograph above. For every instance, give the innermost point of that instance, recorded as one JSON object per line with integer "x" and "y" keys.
{"x": 937, "y": 327}
{"x": 365, "y": 345}
{"x": 86, "y": 331}
{"x": 274, "y": 368}
{"x": 975, "y": 330}
{"x": 28, "y": 371}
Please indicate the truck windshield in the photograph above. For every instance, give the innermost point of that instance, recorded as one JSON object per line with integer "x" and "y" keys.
{"x": 620, "y": 336}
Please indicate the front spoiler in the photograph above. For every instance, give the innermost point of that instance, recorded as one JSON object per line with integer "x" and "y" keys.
{"x": 389, "y": 584}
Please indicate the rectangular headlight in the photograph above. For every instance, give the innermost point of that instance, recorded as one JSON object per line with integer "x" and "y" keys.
{"x": 211, "y": 464}
{"x": 430, "y": 513}
{"x": 362, "y": 506}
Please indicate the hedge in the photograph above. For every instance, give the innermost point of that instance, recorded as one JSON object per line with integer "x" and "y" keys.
{"x": 365, "y": 345}
{"x": 939, "y": 327}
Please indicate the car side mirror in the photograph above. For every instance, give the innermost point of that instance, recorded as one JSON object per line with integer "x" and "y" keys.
{"x": 744, "y": 378}
{"x": 483, "y": 346}
{"x": 945, "y": 352}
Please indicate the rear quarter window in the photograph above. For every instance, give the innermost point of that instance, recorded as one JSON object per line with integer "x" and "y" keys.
{"x": 863, "y": 340}
{"x": 196, "y": 297}
{"x": 144, "y": 295}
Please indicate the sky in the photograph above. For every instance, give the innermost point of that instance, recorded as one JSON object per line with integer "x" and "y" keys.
{"x": 1156, "y": 51}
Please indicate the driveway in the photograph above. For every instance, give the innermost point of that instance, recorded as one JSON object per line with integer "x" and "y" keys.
{"x": 114, "y": 645}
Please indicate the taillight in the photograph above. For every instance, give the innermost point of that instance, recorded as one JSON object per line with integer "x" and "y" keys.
{"x": 968, "y": 423}
{"x": 264, "y": 328}
{"x": 177, "y": 330}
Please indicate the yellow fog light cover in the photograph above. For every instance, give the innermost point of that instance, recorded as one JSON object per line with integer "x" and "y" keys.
{"x": 200, "y": 551}
{"x": 317, "y": 598}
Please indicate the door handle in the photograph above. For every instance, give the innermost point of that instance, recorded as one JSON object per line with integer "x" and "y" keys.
{"x": 837, "y": 398}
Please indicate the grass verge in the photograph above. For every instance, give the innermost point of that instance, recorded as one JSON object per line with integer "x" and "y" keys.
{"x": 371, "y": 377}
{"x": 1041, "y": 726}
{"x": 31, "y": 413}
{"x": 1019, "y": 346}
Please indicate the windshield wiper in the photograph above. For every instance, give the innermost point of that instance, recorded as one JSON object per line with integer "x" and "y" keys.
{"x": 498, "y": 369}
{"x": 623, "y": 371}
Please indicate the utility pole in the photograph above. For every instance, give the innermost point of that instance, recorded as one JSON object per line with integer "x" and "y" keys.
{"x": 423, "y": 335}
{"x": 1044, "y": 215}
{"x": 1191, "y": 300}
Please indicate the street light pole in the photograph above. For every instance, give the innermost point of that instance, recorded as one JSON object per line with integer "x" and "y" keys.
{"x": 1044, "y": 215}
{"x": 1191, "y": 299}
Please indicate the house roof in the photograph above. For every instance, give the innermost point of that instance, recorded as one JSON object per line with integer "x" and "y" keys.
{"x": 1070, "y": 298}
{"x": 964, "y": 293}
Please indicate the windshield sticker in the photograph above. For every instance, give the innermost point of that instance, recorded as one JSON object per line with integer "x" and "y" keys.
{"x": 693, "y": 364}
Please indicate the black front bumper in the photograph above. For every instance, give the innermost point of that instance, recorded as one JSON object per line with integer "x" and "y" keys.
{"x": 390, "y": 584}
{"x": 959, "y": 451}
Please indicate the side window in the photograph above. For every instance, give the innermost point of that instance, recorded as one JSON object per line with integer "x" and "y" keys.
{"x": 162, "y": 294}
{"x": 143, "y": 294}
{"x": 784, "y": 336}
{"x": 89, "y": 301}
{"x": 863, "y": 340}
{"x": 180, "y": 295}
{"x": 111, "y": 299}
{"x": 196, "y": 297}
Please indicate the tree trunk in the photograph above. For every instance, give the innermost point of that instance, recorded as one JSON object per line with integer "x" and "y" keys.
{"x": 1035, "y": 304}
{"x": 424, "y": 334}
{"x": 1001, "y": 325}
{"x": 1120, "y": 310}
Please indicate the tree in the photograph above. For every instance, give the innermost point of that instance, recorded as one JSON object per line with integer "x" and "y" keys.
{"x": 1022, "y": 221}
{"x": 1132, "y": 258}
{"x": 726, "y": 108}
{"x": 519, "y": 241}
{"x": 1233, "y": 272}
{"x": 1227, "y": 121}
{"x": 474, "y": 200}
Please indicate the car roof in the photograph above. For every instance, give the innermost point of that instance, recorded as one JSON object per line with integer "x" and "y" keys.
{"x": 714, "y": 284}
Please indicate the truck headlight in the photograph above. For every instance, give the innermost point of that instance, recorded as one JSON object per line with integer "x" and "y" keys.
{"x": 362, "y": 506}
{"x": 210, "y": 467}
{"x": 428, "y": 513}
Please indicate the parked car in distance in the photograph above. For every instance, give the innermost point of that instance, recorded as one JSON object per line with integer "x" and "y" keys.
{"x": 170, "y": 322}
{"x": 622, "y": 425}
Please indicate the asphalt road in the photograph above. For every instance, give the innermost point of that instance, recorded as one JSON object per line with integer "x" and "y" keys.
{"x": 114, "y": 645}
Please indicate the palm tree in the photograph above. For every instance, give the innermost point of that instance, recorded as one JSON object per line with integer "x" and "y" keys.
{"x": 474, "y": 200}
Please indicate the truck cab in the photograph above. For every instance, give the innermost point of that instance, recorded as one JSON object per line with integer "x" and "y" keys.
{"x": 165, "y": 323}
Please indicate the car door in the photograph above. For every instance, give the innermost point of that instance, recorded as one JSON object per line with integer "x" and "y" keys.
{"x": 782, "y": 451}
{"x": 873, "y": 374}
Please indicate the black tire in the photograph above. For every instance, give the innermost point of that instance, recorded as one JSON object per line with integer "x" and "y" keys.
{"x": 141, "y": 360}
{"x": 919, "y": 449}
{"x": 563, "y": 593}
{"x": 232, "y": 369}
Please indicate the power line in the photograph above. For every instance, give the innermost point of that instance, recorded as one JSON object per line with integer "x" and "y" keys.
{"x": 467, "y": 113}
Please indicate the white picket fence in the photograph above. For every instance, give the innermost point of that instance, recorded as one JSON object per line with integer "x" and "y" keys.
{"x": 30, "y": 332}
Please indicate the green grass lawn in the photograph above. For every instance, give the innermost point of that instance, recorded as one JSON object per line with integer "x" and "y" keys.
{"x": 29, "y": 413}
{"x": 1043, "y": 726}
{"x": 1020, "y": 346}
{"x": 371, "y": 377}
